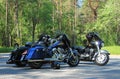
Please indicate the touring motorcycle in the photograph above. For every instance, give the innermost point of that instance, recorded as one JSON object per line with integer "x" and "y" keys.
{"x": 18, "y": 54}
{"x": 94, "y": 52}
{"x": 59, "y": 51}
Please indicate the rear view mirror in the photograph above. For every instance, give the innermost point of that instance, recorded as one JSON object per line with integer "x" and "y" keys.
{"x": 85, "y": 42}
{"x": 16, "y": 45}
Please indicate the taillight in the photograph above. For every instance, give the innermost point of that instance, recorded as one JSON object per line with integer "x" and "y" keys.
{"x": 24, "y": 53}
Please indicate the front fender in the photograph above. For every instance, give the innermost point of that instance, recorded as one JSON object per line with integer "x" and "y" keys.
{"x": 101, "y": 51}
{"x": 75, "y": 52}
{"x": 105, "y": 51}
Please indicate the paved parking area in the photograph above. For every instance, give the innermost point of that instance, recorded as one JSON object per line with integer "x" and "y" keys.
{"x": 85, "y": 70}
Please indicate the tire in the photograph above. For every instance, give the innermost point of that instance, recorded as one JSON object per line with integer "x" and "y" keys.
{"x": 35, "y": 65}
{"x": 55, "y": 65}
{"x": 20, "y": 64}
{"x": 101, "y": 59}
{"x": 72, "y": 62}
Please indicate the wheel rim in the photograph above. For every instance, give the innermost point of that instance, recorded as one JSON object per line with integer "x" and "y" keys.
{"x": 102, "y": 58}
{"x": 36, "y": 63}
{"x": 74, "y": 60}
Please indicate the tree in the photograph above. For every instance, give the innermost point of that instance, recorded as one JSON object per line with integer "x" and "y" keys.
{"x": 108, "y": 22}
{"x": 2, "y": 24}
{"x": 39, "y": 14}
{"x": 94, "y": 5}
{"x": 26, "y": 19}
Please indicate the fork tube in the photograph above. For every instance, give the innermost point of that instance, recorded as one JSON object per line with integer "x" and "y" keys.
{"x": 98, "y": 50}
{"x": 71, "y": 52}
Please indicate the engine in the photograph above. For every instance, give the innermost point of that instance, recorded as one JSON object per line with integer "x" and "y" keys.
{"x": 59, "y": 53}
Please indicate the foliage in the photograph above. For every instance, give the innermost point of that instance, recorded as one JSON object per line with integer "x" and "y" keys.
{"x": 107, "y": 23}
{"x": 53, "y": 16}
{"x": 114, "y": 50}
{"x": 5, "y": 50}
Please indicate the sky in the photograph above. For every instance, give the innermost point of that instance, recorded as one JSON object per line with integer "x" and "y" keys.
{"x": 80, "y": 2}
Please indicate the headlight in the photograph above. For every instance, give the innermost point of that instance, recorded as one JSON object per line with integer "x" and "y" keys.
{"x": 96, "y": 42}
{"x": 102, "y": 44}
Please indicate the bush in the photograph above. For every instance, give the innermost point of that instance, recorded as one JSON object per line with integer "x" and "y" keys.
{"x": 5, "y": 49}
{"x": 114, "y": 50}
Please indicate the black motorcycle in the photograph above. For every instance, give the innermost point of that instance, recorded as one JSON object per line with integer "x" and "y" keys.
{"x": 93, "y": 51}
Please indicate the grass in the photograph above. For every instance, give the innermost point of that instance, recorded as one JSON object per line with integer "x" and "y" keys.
{"x": 114, "y": 50}
{"x": 5, "y": 49}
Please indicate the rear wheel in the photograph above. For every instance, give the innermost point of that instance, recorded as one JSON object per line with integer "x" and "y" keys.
{"x": 35, "y": 65}
{"x": 101, "y": 59}
{"x": 20, "y": 64}
{"x": 55, "y": 65}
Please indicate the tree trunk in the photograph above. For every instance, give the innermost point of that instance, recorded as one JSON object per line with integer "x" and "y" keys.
{"x": 94, "y": 5}
{"x": 34, "y": 21}
{"x": 60, "y": 16}
{"x": 73, "y": 27}
{"x": 16, "y": 23}
{"x": 7, "y": 34}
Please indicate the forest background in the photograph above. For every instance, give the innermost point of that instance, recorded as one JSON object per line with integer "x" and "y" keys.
{"x": 25, "y": 20}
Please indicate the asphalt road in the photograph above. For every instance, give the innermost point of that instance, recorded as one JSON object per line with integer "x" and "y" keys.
{"x": 85, "y": 70}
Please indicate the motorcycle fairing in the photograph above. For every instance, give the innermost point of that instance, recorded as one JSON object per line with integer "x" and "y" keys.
{"x": 57, "y": 43}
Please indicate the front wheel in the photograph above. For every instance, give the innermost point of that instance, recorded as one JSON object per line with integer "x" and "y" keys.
{"x": 35, "y": 65}
{"x": 73, "y": 61}
{"x": 101, "y": 59}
